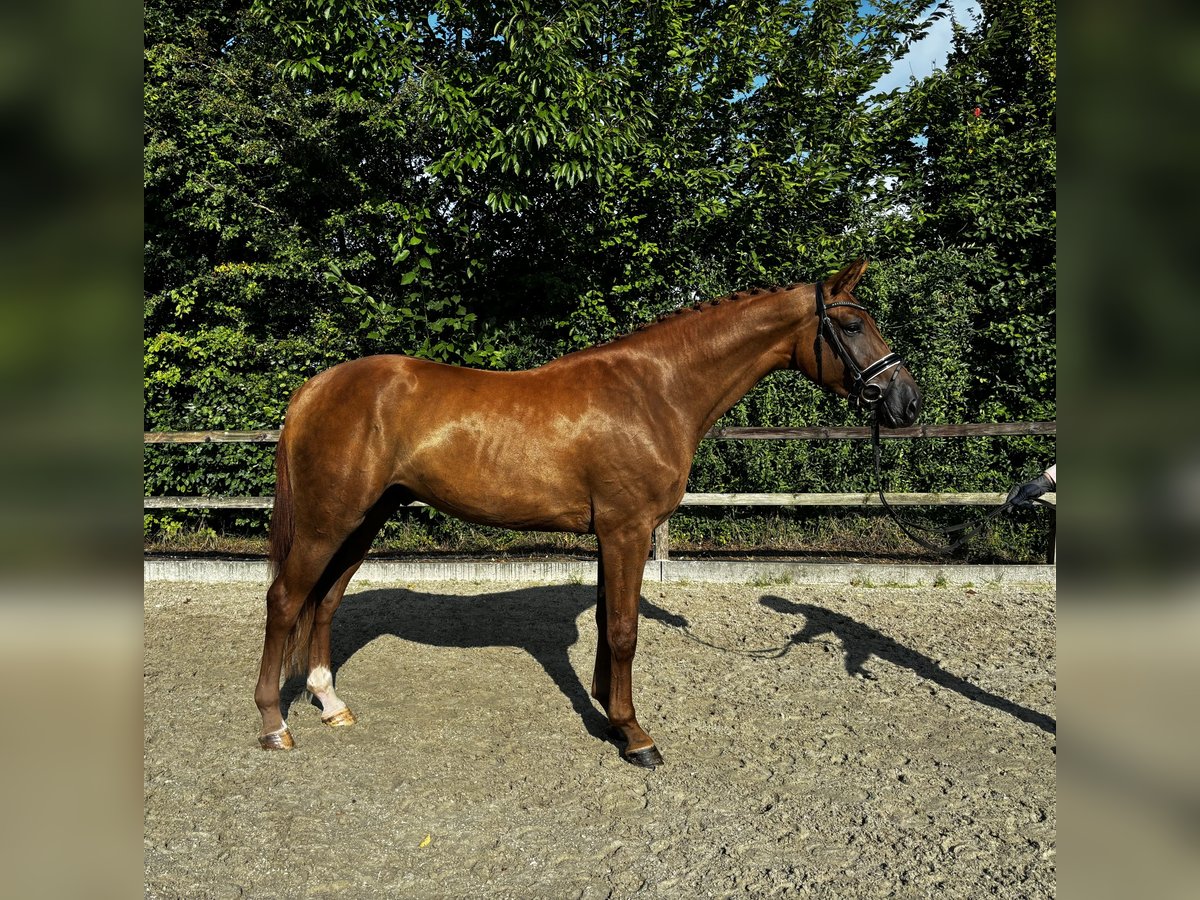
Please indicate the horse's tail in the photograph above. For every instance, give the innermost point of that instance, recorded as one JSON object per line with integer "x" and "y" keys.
{"x": 283, "y": 515}
{"x": 298, "y": 642}
{"x": 283, "y": 533}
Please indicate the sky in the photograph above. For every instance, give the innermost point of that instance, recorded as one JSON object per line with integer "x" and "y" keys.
{"x": 930, "y": 52}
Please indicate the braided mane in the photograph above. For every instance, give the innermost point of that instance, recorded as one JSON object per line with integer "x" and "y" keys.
{"x": 707, "y": 304}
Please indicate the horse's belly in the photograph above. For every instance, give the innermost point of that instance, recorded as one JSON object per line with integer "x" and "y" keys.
{"x": 528, "y": 494}
{"x": 519, "y": 509}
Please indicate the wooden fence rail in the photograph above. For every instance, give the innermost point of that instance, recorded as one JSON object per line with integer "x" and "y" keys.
{"x": 662, "y": 533}
{"x": 689, "y": 499}
{"x": 810, "y": 433}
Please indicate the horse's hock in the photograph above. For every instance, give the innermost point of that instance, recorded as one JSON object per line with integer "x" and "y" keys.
{"x": 834, "y": 741}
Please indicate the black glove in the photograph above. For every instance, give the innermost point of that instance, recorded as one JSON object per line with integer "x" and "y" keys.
{"x": 1024, "y": 494}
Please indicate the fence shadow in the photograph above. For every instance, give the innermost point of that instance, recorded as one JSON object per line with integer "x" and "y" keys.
{"x": 860, "y": 642}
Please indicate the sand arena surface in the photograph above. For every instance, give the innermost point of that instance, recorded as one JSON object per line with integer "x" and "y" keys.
{"x": 819, "y": 742}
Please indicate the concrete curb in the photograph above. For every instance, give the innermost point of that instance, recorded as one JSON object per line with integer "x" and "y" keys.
{"x": 218, "y": 571}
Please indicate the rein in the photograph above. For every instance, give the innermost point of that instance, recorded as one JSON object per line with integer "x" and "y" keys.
{"x": 909, "y": 527}
{"x": 763, "y": 653}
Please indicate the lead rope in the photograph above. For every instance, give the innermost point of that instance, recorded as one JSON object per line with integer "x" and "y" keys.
{"x": 763, "y": 653}
{"x": 907, "y": 525}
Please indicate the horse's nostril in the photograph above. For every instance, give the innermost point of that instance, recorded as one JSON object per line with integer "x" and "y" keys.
{"x": 914, "y": 407}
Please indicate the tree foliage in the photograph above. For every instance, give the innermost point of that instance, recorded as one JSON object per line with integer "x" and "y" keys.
{"x": 987, "y": 184}
{"x": 496, "y": 183}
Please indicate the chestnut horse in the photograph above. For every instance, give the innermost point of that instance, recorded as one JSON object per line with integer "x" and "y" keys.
{"x": 597, "y": 442}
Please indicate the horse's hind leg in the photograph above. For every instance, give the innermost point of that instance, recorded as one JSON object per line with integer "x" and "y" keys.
{"x": 334, "y": 711}
{"x": 320, "y": 674}
{"x": 602, "y": 672}
{"x": 287, "y": 599}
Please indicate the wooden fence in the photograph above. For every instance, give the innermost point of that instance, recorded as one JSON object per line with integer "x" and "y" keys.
{"x": 662, "y": 533}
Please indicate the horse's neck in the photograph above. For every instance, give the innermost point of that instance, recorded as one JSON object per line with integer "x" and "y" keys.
{"x": 753, "y": 342}
{"x": 707, "y": 359}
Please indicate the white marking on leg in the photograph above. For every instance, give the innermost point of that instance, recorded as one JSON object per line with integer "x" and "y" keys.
{"x": 320, "y": 685}
{"x": 320, "y": 680}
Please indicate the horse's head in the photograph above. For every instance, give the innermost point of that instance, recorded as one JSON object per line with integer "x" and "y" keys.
{"x": 849, "y": 356}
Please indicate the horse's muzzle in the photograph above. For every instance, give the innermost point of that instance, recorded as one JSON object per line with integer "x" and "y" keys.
{"x": 900, "y": 405}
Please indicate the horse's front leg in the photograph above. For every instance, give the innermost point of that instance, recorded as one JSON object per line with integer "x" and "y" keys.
{"x": 623, "y": 553}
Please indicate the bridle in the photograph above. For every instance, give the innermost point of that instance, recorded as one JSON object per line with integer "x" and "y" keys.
{"x": 864, "y": 393}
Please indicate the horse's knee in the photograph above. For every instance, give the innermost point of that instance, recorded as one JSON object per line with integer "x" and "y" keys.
{"x": 622, "y": 640}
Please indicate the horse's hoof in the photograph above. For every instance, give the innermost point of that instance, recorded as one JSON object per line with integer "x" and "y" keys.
{"x": 279, "y": 740}
{"x": 340, "y": 719}
{"x": 647, "y": 757}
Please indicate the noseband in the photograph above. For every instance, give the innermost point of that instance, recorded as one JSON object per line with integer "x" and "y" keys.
{"x": 863, "y": 393}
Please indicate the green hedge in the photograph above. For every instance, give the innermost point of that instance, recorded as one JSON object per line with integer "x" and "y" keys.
{"x": 497, "y": 184}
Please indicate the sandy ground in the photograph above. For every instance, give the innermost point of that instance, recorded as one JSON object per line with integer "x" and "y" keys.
{"x": 819, "y": 742}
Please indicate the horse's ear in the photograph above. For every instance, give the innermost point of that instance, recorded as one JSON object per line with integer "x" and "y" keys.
{"x": 845, "y": 280}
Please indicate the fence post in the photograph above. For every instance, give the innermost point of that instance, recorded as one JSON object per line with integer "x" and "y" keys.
{"x": 662, "y": 542}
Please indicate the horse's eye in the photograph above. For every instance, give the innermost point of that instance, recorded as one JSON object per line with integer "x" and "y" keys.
{"x": 852, "y": 327}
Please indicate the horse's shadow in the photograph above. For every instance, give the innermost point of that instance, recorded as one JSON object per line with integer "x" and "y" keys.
{"x": 542, "y": 621}
{"x": 860, "y": 642}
